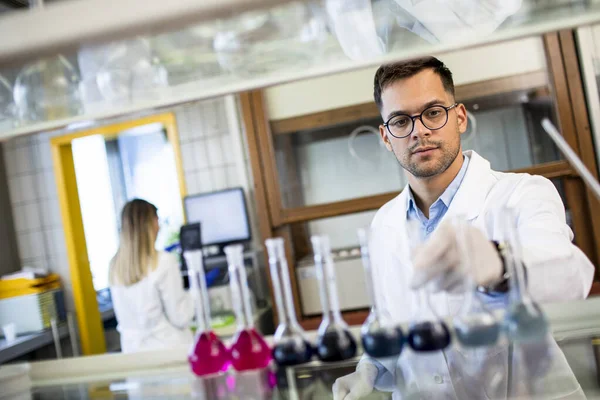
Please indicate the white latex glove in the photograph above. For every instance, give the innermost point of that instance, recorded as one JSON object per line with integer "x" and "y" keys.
{"x": 356, "y": 385}
{"x": 439, "y": 260}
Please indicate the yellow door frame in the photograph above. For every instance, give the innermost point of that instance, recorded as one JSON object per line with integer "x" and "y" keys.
{"x": 91, "y": 332}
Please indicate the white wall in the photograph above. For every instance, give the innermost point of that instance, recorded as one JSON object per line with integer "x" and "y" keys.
{"x": 210, "y": 146}
{"x": 356, "y": 87}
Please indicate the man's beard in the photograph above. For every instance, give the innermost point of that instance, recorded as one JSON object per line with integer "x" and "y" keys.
{"x": 420, "y": 169}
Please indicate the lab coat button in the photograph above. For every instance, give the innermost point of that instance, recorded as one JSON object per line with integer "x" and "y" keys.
{"x": 438, "y": 379}
{"x": 429, "y": 229}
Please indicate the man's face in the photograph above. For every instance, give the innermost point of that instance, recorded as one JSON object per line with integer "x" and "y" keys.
{"x": 424, "y": 153}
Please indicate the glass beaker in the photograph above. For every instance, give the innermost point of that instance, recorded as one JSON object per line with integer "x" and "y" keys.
{"x": 257, "y": 42}
{"x": 47, "y": 89}
{"x": 474, "y": 325}
{"x": 7, "y": 105}
{"x": 427, "y": 332}
{"x": 130, "y": 71}
{"x": 208, "y": 355}
{"x": 248, "y": 350}
{"x": 291, "y": 346}
{"x": 335, "y": 342}
{"x": 524, "y": 320}
{"x": 379, "y": 337}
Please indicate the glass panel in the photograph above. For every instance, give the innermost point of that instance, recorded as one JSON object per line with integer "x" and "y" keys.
{"x": 246, "y": 50}
{"x": 335, "y": 163}
{"x": 506, "y": 128}
{"x": 349, "y": 160}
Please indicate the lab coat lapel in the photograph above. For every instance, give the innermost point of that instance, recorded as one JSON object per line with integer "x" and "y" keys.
{"x": 477, "y": 183}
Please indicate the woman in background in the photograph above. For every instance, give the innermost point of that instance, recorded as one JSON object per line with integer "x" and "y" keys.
{"x": 153, "y": 310}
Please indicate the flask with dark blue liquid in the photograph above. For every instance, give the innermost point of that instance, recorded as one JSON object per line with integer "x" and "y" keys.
{"x": 380, "y": 338}
{"x": 524, "y": 321}
{"x": 426, "y": 332}
{"x": 291, "y": 345}
{"x": 474, "y": 325}
{"x": 335, "y": 342}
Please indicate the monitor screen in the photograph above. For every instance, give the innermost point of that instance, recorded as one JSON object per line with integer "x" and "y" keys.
{"x": 222, "y": 214}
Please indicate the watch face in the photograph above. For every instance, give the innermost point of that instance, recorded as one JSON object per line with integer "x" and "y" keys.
{"x": 190, "y": 237}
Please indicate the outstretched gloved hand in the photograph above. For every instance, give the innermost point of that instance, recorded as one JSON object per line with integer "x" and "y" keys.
{"x": 440, "y": 260}
{"x": 356, "y": 385}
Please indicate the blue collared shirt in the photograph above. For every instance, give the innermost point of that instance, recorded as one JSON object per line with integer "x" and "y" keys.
{"x": 439, "y": 208}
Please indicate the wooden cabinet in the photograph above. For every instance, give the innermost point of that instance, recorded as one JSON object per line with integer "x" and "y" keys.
{"x": 311, "y": 175}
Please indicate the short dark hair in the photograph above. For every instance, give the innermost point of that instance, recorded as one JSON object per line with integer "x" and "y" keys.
{"x": 390, "y": 73}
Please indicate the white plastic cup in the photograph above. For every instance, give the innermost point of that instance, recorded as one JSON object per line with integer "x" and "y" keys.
{"x": 10, "y": 332}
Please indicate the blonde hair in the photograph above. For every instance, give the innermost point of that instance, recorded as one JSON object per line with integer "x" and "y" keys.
{"x": 136, "y": 255}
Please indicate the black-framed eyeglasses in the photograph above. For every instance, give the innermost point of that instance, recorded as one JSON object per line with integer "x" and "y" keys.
{"x": 433, "y": 118}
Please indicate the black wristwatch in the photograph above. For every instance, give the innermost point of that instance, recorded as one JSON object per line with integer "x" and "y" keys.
{"x": 502, "y": 285}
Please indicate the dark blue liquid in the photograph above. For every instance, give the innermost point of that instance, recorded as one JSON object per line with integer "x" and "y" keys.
{"x": 525, "y": 323}
{"x": 332, "y": 347}
{"x": 290, "y": 353}
{"x": 429, "y": 336}
{"x": 383, "y": 343}
{"x": 477, "y": 335}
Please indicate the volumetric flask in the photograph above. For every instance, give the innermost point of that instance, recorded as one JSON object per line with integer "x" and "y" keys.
{"x": 426, "y": 332}
{"x": 208, "y": 355}
{"x": 335, "y": 342}
{"x": 474, "y": 324}
{"x": 379, "y": 337}
{"x": 524, "y": 320}
{"x": 248, "y": 350}
{"x": 291, "y": 345}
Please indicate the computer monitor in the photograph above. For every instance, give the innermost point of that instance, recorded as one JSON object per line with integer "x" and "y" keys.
{"x": 223, "y": 216}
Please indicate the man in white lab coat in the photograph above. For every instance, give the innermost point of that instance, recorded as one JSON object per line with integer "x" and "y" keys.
{"x": 422, "y": 127}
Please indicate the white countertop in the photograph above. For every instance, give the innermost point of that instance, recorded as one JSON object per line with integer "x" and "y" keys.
{"x": 569, "y": 321}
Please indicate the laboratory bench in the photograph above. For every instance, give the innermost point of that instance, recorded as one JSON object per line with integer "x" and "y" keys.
{"x": 165, "y": 373}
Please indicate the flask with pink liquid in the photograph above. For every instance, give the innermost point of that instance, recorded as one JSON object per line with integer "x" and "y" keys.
{"x": 248, "y": 350}
{"x": 208, "y": 354}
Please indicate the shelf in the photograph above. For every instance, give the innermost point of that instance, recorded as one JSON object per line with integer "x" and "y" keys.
{"x": 65, "y": 27}
{"x": 27, "y": 343}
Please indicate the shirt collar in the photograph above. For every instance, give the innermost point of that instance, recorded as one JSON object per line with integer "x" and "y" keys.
{"x": 448, "y": 194}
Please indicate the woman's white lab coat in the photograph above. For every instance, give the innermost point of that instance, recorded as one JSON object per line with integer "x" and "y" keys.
{"x": 156, "y": 312}
{"x": 557, "y": 271}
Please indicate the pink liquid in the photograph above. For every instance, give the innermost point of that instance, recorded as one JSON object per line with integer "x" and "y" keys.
{"x": 208, "y": 355}
{"x": 249, "y": 351}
